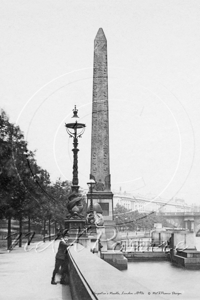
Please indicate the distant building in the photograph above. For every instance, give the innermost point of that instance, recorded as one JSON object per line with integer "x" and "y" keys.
{"x": 195, "y": 207}
{"x": 143, "y": 205}
{"x": 123, "y": 201}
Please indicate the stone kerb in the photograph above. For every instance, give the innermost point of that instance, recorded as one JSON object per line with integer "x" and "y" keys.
{"x": 93, "y": 278}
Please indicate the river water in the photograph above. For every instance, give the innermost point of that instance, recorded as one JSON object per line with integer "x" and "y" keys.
{"x": 165, "y": 279}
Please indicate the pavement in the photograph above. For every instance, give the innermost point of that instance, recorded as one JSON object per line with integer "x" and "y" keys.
{"x": 27, "y": 274}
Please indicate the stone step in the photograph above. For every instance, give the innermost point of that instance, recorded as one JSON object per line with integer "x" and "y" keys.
{"x": 189, "y": 253}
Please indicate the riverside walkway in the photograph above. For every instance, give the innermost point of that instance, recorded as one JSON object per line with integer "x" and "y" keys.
{"x": 27, "y": 275}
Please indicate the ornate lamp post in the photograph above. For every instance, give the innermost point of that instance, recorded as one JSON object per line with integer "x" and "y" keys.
{"x": 75, "y": 130}
{"x": 75, "y": 220}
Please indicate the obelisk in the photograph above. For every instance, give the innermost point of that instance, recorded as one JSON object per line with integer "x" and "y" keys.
{"x": 100, "y": 162}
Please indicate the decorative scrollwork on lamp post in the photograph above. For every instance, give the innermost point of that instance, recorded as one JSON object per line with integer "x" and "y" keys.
{"x": 75, "y": 130}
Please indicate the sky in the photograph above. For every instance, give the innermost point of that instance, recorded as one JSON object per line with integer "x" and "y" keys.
{"x": 46, "y": 68}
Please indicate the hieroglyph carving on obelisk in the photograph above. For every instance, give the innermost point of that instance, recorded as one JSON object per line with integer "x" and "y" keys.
{"x": 100, "y": 164}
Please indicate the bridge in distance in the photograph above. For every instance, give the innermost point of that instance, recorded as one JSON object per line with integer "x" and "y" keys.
{"x": 179, "y": 215}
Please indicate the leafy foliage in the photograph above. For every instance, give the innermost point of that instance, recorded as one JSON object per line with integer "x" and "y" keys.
{"x": 25, "y": 188}
{"x": 134, "y": 220}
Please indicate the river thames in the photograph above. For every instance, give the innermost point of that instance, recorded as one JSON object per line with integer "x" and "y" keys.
{"x": 165, "y": 279}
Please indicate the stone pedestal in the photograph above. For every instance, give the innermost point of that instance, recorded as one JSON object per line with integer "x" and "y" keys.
{"x": 74, "y": 224}
{"x": 116, "y": 259}
{"x": 189, "y": 259}
{"x": 102, "y": 237}
{"x": 96, "y": 237}
{"x": 77, "y": 231}
{"x": 91, "y": 231}
{"x": 100, "y": 230}
{"x": 105, "y": 200}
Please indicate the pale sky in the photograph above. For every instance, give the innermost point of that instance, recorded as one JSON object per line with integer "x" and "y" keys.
{"x": 154, "y": 87}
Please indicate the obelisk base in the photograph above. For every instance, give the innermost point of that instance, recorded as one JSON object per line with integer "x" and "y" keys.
{"x": 105, "y": 199}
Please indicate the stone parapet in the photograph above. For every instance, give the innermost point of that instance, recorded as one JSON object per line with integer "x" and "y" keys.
{"x": 188, "y": 263}
{"x": 93, "y": 278}
{"x": 146, "y": 256}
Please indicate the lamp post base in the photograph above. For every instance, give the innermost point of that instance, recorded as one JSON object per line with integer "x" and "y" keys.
{"x": 75, "y": 188}
{"x": 76, "y": 230}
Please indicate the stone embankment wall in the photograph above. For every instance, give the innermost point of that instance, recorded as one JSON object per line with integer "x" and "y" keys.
{"x": 93, "y": 278}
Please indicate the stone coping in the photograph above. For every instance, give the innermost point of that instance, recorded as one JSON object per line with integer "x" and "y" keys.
{"x": 105, "y": 281}
{"x": 189, "y": 251}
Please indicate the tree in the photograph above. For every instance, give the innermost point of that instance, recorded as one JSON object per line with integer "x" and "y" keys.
{"x": 135, "y": 220}
{"x": 19, "y": 173}
{"x": 60, "y": 191}
{"x": 26, "y": 191}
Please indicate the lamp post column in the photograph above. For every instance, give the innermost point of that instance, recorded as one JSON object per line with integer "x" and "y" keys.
{"x": 91, "y": 203}
{"x": 75, "y": 220}
{"x": 75, "y": 130}
{"x": 91, "y": 183}
{"x": 75, "y": 150}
